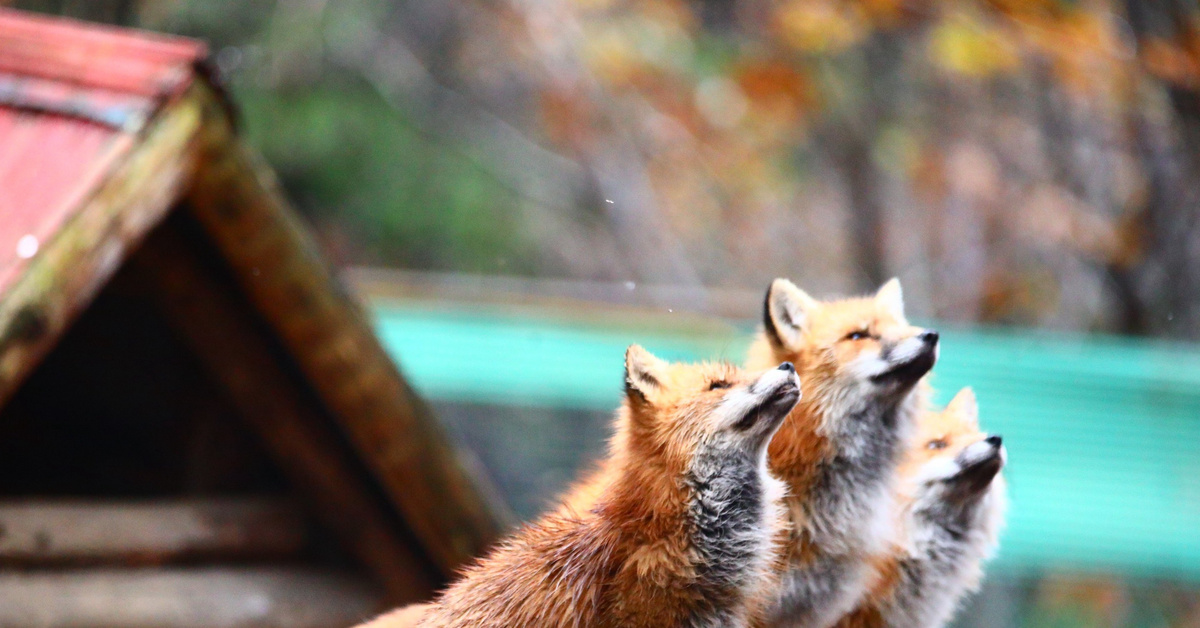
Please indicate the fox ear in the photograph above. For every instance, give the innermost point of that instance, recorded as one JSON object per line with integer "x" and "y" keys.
{"x": 965, "y": 407}
{"x": 891, "y": 297}
{"x": 643, "y": 373}
{"x": 786, "y": 312}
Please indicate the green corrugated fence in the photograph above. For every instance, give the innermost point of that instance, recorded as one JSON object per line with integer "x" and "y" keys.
{"x": 1103, "y": 433}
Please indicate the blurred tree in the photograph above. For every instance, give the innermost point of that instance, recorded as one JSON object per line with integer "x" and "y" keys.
{"x": 1024, "y": 161}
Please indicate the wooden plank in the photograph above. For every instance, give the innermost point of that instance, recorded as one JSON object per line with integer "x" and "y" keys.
{"x": 148, "y": 532}
{"x": 224, "y": 335}
{"x": 185, "y": 598}
{"x": 237, "y": 201}
{"x": 68, "y": 270}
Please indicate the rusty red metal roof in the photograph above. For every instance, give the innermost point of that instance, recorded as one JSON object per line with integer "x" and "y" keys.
{"x": 73, "y": 98}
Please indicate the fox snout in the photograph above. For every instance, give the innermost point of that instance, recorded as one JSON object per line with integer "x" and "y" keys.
{"x": 988, "y": 448}
{"x": 780, "y": 386}
{"x": 774, "y": 395}
{"x": 979, "y": 463}
{"x": 776, "y": 379}
{"x": 909, "y": 359}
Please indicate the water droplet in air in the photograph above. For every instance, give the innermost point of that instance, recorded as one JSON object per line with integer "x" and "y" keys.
{"x": 629, "y": 285}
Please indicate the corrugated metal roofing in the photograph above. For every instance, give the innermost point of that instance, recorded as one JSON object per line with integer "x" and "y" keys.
{"x": 72, "y": 99}
{"x": 1103, "y": 433}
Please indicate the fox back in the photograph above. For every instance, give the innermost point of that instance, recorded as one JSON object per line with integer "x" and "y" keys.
{"x": 683, "y": 528}
{"x": 860, "y": 362}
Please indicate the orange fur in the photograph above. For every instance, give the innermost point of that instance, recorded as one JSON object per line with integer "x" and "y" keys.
{"x": 939, "y": 434}
{"x": 955, "y": 427}
{"x": 800, "y": 447}
{"x": 621, "y": 553}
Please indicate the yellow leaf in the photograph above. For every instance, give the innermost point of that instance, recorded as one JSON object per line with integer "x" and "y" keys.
{"x": 964, "y": 46}
{"x": 821, "y": 27}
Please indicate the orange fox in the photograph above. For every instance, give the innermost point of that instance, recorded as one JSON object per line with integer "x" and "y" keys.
{"x": 951, "y": 510}
{"x": 859, "y": 362}
{"x": 683, "y": 530}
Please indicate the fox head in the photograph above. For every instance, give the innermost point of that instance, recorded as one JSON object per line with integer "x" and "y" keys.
{"x": 695, "y": 455}
{"x": 952, "y": 464}
{"x": 674, "y": 411}
{"x": 862, "y": 346}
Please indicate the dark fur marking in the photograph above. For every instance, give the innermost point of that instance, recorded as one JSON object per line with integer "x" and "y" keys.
{"x": 938, "y": 556}
{"x": 634, "y": 388}
{"x": 748, "y": 421}
{"x": 907, "y": 373}
{"x": 769, "y": 322}
{"x": 848, "y": 473}
{"x": 726, "y": 514}
{"x": 634, "y": 393}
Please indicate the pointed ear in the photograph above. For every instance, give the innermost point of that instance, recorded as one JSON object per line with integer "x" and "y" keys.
{"x": 786, "y": 313}
{"x": 890, "y": 296}
{"x": 643, "y": 373}
{"x": 965, "y": 407}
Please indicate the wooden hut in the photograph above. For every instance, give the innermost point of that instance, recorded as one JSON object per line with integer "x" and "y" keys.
{"x": 197, "y": 425}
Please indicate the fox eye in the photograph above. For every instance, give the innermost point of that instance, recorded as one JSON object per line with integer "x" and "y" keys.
{"x": 858, "y": 334}
{"x": 719, "y": 384}
{"x": 935, "y": 444}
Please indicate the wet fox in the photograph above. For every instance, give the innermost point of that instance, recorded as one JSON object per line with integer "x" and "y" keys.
{"x": 859, "y": 362}
{"x": 952, "y": 502}
{"x": 683, "y": 531}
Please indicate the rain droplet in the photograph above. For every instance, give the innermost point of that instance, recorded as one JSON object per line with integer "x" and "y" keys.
{"x": 27, "y": 246}
{"x": 670, "y": 310}
{"x": 609, "y": 201}
{"x": 629, "y": 285}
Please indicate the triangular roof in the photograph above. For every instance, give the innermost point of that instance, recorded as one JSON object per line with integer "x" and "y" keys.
{"x": 106, "y": 133}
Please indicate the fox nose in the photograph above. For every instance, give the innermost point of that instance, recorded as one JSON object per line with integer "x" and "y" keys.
{"x": 929, "y": 337}
{"x": 994, "y": 440}
{"x": 788, "y": 367}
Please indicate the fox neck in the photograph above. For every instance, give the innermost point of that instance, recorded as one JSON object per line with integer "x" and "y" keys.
{"x": 974, "y": 524}
{"x": 850, "y": 502}
{"x": 838, "y": 453}
{"x": 708, "y": 535}
{"x": 948, "y": 544}
{"x": 736, "y": 516}
{"x": 838, "y": 450}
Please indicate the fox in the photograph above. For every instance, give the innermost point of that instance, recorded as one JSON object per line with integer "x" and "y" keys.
{"x": 683, "y": 531}
{"x": 952, "y": 502}
{"x": 861, "y": 365}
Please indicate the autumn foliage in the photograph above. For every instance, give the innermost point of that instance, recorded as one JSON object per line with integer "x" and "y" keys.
{"x": 1020, "y": 161}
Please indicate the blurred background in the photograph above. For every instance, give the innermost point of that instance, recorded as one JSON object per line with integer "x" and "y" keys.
{"x": 520, "y": 188}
